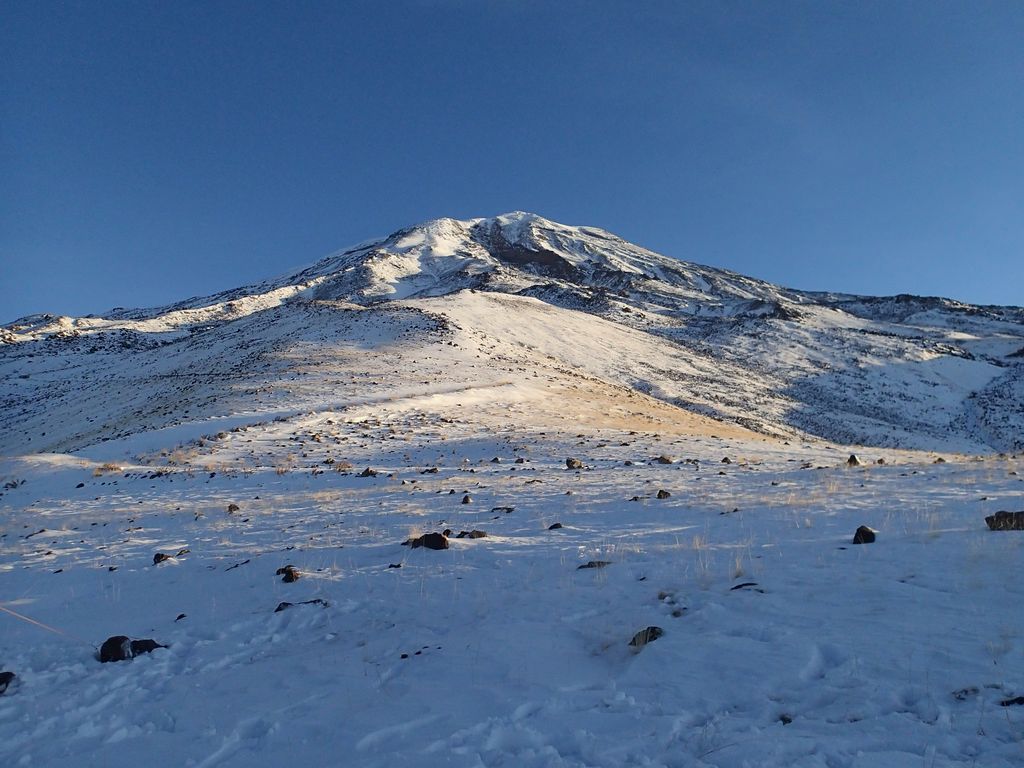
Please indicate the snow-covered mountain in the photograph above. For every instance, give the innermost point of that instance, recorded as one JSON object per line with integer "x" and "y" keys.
{"x": 515, "y": 298}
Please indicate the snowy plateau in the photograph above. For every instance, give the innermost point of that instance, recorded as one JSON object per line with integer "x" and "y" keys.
{"x": 644, "y": 477}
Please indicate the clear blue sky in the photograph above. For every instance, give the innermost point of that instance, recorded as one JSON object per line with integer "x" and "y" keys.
{"x": 154, "y": 151}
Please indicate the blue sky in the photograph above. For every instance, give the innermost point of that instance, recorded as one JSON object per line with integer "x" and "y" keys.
{"x": 154, "y": 151}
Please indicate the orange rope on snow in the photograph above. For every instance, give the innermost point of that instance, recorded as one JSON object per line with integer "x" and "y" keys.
{"x": 47, "y": 627}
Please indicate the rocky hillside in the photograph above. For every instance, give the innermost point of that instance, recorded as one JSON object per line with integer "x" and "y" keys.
{"x": 516, "y": 298}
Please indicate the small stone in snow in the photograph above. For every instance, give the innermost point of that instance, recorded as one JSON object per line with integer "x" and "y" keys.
{"x": 864, "y": 535}
{"x": 645, "y": 636}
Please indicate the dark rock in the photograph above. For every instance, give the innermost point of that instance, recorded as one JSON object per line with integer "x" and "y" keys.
{"x": 1006, "y": 521}
{"x": 506, "y": 510}
{"x": 939, "y": 460}
{"x": 785, "y": 719}
{"x": 594, "y": 564}
{"x": 496, "y": 460}
{"x": 368, "y": 473}
{"x": 554, "y": 526}
{"x": 159, "y": 557}
{"x": 645, "y": 636}
{"x": 1017, "y": 701}
{"x": 285, "y": 605}
{"x": 746, "y": 585}
{"x": 233, "y": 508}
{"x": 520, "y": 460}
{"x": 854, "y": 461}
{"x": 180, "y": 616}
{"x": 288, "y": 573}
{"x": 394, "y": 565}
{"x": 6, "y": 678}
{"x": 122, "y": 648}
{"x": 429, "y": 540}
{"x": 664, "y": 460}
{"x": 864, "y": 535}
{"x": 663, "y": 494}
{"x": 571, "y": 463}
{"x": 446, "y": 532}
{"x": 431, "y": 471}
{"x": 471, "y": 534}
{"x": 727, "y": 460}
{"x": 467, "y": 499}
{"x": 80, "y": 485}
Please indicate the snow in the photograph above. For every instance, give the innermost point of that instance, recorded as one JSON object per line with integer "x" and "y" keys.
{"x": 514, "y": 656}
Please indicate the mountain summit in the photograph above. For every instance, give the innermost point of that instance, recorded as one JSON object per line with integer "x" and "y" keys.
{"x": 513, "y": 300}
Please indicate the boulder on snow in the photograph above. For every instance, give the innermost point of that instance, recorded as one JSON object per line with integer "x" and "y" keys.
{"x": 864, "y": 535}
{"x": 645, "y": 636}
{"x": 1005, "y": 521}
{"x": 554, "y": 526}
{"x": 6, "y": 678}
{"x": 854, "y": 461}
{"x": 663, "y": 494}
{"x": 663, "y": 459}
{"x": 594, "y": 564}
{"x": 289, "y": 574}
{"x": 428, "y": 540}
{"x": 122, "y": 648}
{"x": 572, "y": 463}
{"x": 474, "y": 534}
{"x": 232, "y": 508}
{"x": 368, "y": 473}
{"x": 467, "y": 499}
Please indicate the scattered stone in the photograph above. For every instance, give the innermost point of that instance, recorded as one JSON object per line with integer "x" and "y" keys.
{"x": 467, "y": 499}
{"x": 233, "y": 508}
{"x": 159, "y": 557}
{"x": 785, "y": 719}
{"x": 474, "y": 534}
{"x": 368, "y": 473}
{"x": 394, "y": 565}
{"x": 446, "y": 532}
{"x": 285, "y": 605}
{"x": 645, "y": 636}
{"x": 664, "y": 460}
{"x": 496, "y": 460}
{"x": 6, "y": 678}
{"x": 854, "y": 461}
{"x": 431, "y": 471}
{"x": 1006, "y": 521}
{"x": 663, "y": 494}
{"x": 554, "y": 526}
{"x": 289, "y": 574}
{"x": 939, "y": 460}
{"x": 594, "y": 564}
{"x": 747, "y": 585}
{"x": 506, "y": 510}
{"x": 864, "y": 535}
{"x": 573, "y": 464}
{"x": 880, "y": 461}
{"x": 1017, "y": 701}
{"x": 428, "y": 540}
{"x": 520, "y": 460}
{"x": 727, "y": 460}
{"x": 122, "y": 648}
{"x": 80, "y": 485}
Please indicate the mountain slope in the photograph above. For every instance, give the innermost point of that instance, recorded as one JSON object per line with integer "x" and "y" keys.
{"x": 456, "y": 301}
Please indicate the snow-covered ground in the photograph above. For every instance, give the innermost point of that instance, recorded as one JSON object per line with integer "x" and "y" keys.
{"x": 501, "y": 650}
{"x": 237, "y": 427}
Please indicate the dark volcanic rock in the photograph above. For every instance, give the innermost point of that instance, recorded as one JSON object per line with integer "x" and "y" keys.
{"x": 1006, "y": 521}
{"x": 864, "y": 535}
{"x": 554, "y": 526}
{"x": 6, "y": 678}
{"x": 428, "y": 540}
{"x": 645, "y": 636}
{"x": 283, "y": 606}
{"x": 122, "y": 648}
